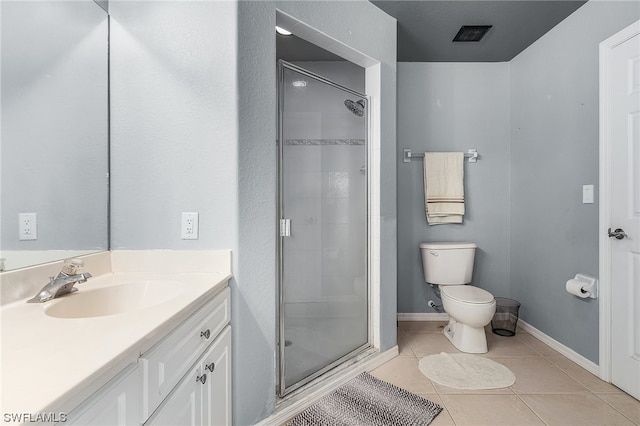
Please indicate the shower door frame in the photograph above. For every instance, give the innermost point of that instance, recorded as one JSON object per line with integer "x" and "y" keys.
{"x": 282, "y": 389}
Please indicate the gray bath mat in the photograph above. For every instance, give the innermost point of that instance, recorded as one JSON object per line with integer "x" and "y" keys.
{"x": 368, "y": 401}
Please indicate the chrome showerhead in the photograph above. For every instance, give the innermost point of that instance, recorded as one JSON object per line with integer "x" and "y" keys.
{"x": 355, "y": 107}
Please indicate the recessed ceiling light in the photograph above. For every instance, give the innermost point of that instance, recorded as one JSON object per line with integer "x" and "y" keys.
{"x": 299, "y": 83}
{"x": 471, "y": 32}
{"x": 282, "y": 31}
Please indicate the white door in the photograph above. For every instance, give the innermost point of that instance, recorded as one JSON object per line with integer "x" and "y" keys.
{"x": 622, "y": 102}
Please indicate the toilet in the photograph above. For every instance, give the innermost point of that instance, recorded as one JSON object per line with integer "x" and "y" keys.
{"x": 450, "y": 267}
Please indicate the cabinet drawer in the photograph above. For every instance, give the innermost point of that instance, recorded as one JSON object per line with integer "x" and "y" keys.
{"x": 164, "y": 364}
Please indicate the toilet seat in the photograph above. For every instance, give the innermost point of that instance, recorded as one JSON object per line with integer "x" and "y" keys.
{"x": 467, "y": 294}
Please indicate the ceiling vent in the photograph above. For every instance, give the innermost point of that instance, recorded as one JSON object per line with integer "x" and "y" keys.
{"x": 471, "y": 32}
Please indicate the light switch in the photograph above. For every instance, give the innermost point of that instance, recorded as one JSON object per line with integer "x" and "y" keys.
{"x": 587, "y": 194}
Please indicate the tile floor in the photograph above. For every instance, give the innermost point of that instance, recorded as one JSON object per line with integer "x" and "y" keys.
{"x": 550, "y": 389}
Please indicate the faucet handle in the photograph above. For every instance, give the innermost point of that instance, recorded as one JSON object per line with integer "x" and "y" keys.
{"x": 72, "y": 265}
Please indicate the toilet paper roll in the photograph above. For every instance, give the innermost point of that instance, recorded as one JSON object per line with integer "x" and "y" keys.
{"x": 575, "y": 287}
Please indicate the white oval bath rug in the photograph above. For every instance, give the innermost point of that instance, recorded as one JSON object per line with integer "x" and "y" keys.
{"x": 466, "y": 371}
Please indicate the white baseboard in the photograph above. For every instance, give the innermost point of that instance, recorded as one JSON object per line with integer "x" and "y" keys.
{"x": 299, "y": 404}
{"x": 574, "y": 356}
{"x": 583, "y": 362}
{"x": 423, "y": 316}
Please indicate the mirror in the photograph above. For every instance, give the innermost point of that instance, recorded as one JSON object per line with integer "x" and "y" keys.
{"x": 54, "y": 131}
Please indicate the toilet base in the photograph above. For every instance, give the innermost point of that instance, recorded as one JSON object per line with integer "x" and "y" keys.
{"x": 467, "y": 339}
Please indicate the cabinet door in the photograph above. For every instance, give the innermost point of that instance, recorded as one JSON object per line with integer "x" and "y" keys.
{"x": 216, "y": 397}
{"x": 183, "y": 407}
{"x": 118, "y": 403}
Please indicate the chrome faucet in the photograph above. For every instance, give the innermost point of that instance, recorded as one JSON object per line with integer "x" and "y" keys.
{"x": 63, "y": 283}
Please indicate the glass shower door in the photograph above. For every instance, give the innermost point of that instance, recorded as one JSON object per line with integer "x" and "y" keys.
{"x": 324, "y": 296}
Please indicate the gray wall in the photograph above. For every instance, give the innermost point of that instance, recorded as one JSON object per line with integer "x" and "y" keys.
{"x": 554, "y": 151}
{"x": 454, "y": 107}
{"x": 193, "y": 129}
{"x": 173, "y": 123}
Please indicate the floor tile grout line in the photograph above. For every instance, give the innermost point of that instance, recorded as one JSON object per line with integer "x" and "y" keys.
{"x": 613, "y": 407}
{"x": 566, "y": 373}
{"x": 576, "y": 394}
{"x": 444, "y": 405}
{"x": 578, "y": 379}
{"x": 531, "y": 408}
{"x": 534, "y": 349}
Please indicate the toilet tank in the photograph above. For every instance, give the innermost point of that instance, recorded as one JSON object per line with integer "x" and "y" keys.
{"x": 448, "y": 263}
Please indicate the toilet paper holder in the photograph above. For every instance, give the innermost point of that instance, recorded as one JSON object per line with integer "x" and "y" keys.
{"x": 590, "y": 284}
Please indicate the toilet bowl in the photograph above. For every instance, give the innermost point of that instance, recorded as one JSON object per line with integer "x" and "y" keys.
{"x": 470, "y": 309}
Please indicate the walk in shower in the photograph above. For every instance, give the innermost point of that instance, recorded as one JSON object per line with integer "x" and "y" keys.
{"x": 323, "y": 210}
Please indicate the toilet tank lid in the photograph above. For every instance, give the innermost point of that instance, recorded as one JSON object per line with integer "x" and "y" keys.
{"x": 447, "y": 246}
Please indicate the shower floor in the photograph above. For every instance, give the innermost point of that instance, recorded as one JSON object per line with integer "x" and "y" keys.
{"x": 315, "y": 342}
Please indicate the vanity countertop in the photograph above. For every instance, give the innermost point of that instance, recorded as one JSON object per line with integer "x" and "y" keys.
{"x": 52, "y": 364}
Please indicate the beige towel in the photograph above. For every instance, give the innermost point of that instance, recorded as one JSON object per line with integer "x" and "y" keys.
{"x": 443, "y": 187}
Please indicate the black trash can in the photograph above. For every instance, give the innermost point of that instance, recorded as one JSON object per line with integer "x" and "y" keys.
{"x": 505, "y": 319}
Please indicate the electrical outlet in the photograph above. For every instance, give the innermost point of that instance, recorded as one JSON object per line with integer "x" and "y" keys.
{"x": 189, "y": 225}
{"x": 27, "y": 226}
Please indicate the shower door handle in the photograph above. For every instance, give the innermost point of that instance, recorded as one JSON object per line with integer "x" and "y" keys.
{"x": 285, "y": 227}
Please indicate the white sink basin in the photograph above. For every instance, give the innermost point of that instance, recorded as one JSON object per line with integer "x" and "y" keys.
{"x": 117, "y": 299}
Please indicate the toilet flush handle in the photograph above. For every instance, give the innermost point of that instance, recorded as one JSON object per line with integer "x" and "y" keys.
{"x": 433, "y": 253}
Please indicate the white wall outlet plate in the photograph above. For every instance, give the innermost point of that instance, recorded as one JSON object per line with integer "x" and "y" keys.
{"x": 27, "y": 226}
{"x": 189, "y": 225}
{"x": 587, "y": 194}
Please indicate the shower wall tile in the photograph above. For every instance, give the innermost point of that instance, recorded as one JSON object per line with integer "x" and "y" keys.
{"x": 299, "y": 158}
{"x": 336, "y": 235}
{"x": 339, "y": 288}
{"x": 336, "y": 210}
{"x": 335, "y": 184}
{"x": 303, "y": 184}
{"x": 303, "y": 237}
{"x": 303, "y": 125}
{"x": 304, "y": 210}
{"x": 302, "y": 276}
{"x": 337, "y": 158}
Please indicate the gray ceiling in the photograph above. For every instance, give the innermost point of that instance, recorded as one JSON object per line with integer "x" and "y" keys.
{"x": 426, "y": 28}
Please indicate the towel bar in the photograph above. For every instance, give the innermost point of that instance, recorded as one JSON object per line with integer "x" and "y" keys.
{"x": 471, "y": 154}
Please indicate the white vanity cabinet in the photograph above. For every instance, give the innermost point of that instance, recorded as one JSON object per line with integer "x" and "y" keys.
{"x": 183, "y": 380}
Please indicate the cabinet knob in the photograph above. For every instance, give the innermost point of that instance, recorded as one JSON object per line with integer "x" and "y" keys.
{"x": 210, "y": 367}
{"x": 202, "y": 379}
{"x": 206, "y": 334}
